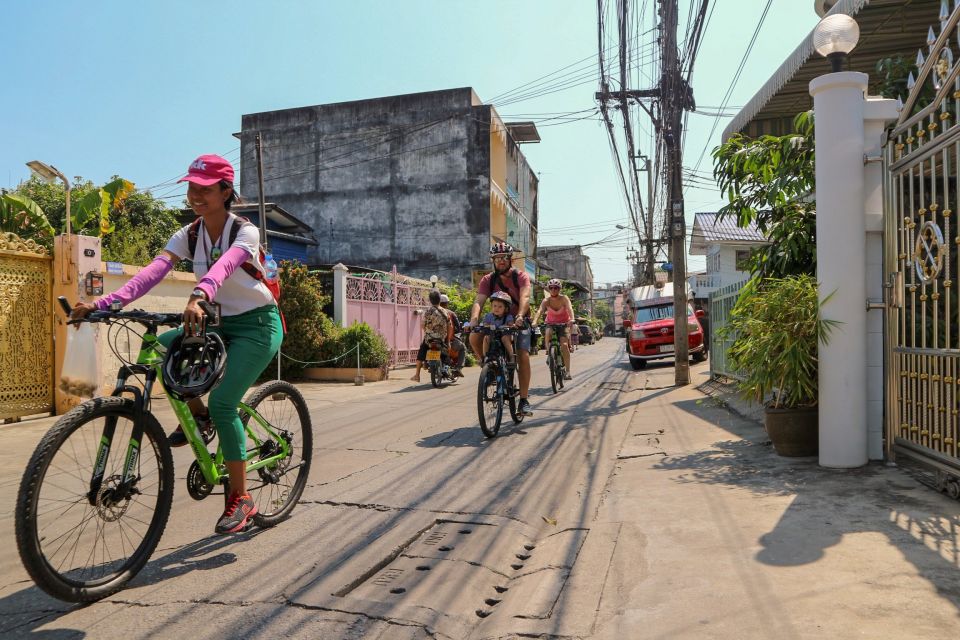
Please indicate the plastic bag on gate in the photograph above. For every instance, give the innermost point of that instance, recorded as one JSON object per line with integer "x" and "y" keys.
{"x": 80, "y": 375}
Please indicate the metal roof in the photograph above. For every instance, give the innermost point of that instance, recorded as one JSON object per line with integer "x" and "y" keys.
{"x": 524, "y": 131}
{"x": 887, "y": 28}
{"x": 708, "y": 230}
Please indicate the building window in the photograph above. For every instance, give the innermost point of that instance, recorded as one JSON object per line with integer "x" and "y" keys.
{"x": 713, "y": 263}
{"x": 743, "y": 260}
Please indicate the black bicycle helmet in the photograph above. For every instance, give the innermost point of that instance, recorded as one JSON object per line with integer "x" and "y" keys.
{"x": 193, "y": 366}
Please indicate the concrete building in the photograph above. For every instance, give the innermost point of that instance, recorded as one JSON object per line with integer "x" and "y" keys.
{"x": 424, "y": 181}
{"x": 570, "y": 264}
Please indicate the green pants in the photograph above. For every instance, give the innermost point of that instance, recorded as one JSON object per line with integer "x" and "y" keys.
{"x": 252, "y": 339}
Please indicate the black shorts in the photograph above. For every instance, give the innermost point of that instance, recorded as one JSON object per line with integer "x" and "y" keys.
{"x": 561, "y": 330}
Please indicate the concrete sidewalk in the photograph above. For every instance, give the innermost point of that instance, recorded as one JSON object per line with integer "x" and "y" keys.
{"x": 721, "y": 538}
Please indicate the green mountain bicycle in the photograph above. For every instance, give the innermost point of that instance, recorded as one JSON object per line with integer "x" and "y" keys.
{"x": 96, "y": 494}
{"x": 555, "y": 357}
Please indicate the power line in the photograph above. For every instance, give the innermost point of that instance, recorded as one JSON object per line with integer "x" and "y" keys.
{"x": 733, "y": 83}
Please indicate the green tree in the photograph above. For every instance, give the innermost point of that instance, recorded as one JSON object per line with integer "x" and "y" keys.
{"x": 142, "y": 228}
{"x": 134, "y": 226}
{"x": 602, "y": 312}
{"x": 769, "y": 181}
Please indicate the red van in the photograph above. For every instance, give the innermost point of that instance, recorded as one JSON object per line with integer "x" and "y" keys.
{"x": 648, "y": 325}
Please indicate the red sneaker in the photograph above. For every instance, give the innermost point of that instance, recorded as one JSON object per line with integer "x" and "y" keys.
{"x": 240, "y": 509}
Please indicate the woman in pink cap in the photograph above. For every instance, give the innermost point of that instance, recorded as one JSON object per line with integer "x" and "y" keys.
{"x": 250, "y": 320}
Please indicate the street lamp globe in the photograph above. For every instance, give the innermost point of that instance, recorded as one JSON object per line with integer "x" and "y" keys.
{"x": 835, "y": 37}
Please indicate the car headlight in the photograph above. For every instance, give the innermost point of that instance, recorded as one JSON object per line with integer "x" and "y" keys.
{"x": 692, "y": 327}
{"x": 637, "y": 334}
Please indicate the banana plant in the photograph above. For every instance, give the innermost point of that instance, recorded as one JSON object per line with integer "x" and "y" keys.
{"x": 22, "y": 216}
{"x": 98, "y": 202}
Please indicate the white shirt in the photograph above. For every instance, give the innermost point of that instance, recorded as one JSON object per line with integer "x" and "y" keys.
{"x": 240, "y": 292}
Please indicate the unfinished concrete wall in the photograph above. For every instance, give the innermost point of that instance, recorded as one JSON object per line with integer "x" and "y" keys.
{"x": 401, "y": 180}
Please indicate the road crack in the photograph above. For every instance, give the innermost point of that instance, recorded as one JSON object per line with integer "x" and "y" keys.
{"x": 642, "y": 455}
{"x": 399, "y": 622}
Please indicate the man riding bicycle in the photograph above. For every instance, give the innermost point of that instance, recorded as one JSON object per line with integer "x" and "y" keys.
{"x": 559, "y": 312}
{"x": 516, "y": 284}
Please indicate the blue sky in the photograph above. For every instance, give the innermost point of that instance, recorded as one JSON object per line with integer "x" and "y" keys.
{"x": 140, "y": 89}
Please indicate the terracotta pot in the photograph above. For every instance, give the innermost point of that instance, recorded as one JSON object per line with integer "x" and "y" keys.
{"x": 793, "y": 432}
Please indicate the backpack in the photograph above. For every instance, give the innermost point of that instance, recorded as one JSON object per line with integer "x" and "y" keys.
{"x": 436, "y": 324}
{"x": 193, "y": 234}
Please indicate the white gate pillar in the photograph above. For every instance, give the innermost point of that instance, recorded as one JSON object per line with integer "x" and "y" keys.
{"x": 340, "y": 294}
{"x": 878, "y": 113}
{"x": 839, "y": 104}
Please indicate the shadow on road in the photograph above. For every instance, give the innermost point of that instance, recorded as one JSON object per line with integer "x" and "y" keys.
{"x": 828, "y": 505}
{"x": 22, "y": 612}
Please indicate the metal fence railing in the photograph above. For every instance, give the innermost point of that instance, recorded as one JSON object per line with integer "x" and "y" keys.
{"x": 721, "y": 303}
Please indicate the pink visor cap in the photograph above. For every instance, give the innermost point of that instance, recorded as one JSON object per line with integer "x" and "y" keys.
{"x": 207, "y": 170}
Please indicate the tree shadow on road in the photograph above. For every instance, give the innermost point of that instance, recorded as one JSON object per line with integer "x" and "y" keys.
{"x": 22, "y": 612}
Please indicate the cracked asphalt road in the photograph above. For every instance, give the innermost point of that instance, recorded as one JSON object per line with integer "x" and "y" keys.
{"x": 413, "y": 524}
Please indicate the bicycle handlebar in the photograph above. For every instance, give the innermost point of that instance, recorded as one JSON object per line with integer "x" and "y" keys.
{"x": 137, "y": 315}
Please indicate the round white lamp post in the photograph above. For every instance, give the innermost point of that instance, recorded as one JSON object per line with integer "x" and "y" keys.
{"x": 839, "y": 106}
{"x": 835, "y": 37}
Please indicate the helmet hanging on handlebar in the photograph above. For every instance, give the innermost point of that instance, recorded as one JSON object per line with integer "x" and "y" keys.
{"x": 193, "y": 366}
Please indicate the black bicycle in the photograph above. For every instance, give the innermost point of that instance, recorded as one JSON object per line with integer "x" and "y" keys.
{"x": 496, "y": 385}
{"x": 555, "y": 357}
{"x": 96, "y": 494}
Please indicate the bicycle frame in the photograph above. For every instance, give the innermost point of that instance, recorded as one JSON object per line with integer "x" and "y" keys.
{"x": 148, "y": 364}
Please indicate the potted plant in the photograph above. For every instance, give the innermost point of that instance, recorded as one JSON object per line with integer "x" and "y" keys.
{"x": 776, "y": 327}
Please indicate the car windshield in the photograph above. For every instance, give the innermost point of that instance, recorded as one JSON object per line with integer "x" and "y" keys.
{"x": 659, "y": 312}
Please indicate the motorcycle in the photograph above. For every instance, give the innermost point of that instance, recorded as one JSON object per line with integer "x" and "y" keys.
{"x": 439, "y": 363}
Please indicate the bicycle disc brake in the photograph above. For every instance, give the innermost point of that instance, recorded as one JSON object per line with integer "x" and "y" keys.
{"x": 197, "y": 485}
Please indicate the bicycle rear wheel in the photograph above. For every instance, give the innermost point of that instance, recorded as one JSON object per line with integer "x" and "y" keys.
{"x": 277, "y": 488}
{"x": 80, "y": 545}
{"x": 489, "y": 401}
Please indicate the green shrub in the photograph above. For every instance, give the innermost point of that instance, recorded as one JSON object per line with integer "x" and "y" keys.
{"x": 308, "y": 328}
{"x": 374, "y": 352}
{"x": 777, "y": 326}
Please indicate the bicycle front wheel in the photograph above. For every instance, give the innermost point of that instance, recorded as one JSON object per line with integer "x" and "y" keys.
{"x": 552, "y": 365}
{"x": 275, "y": 489}
{"x": 489, "y": 401}
{"x": 78, "y": 541}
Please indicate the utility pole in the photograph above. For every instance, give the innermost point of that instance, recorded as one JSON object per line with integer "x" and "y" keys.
{"x": 260, "y": 200}
{"x": 675, "y": 98}
{"x": 649, "y": 221}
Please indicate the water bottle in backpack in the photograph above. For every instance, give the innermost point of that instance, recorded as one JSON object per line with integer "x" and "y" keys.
{"x": 271, "y": 268}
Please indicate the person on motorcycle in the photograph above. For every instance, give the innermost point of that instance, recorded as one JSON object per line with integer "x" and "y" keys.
{"x": 559, "y": 312}
{"x": 516, "y": 284}
{"x": 436, "y": 325}
{"x": 455, "y": 345}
